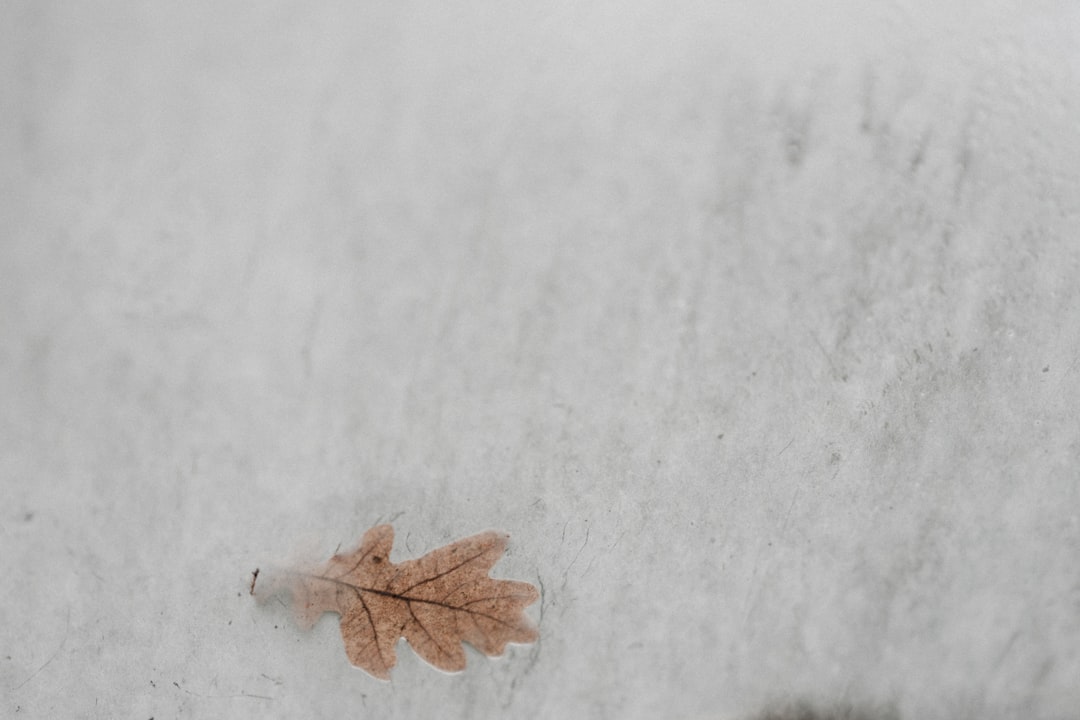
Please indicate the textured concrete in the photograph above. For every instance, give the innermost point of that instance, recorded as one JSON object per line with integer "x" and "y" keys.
{"x": 757, "y": 328}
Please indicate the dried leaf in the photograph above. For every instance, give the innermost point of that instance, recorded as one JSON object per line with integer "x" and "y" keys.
{"x": 435, "y": 602}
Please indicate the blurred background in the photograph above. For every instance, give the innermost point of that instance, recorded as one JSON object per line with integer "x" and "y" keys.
{"x": 755, "y": 324}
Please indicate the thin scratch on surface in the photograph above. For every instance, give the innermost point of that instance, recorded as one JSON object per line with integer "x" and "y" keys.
{"x": 791, "y": 506}
{"x": 566, "y": 573}
{"x": 67, "y": 630}
{"x": 750, "y": 602}
{"x": 1068, "y": 371}
{"x": 1006, "y": 650}
{"x": 379, "y": 520}
{"x": 617, "y": 540}
{"x": 753, "y": 591}
{"x": 543, "y": 602}
{"x": 309, "y": 335}
{"x": 832, "y": 366}
{"x": 534, "y": 652}
{"x": 583, "y": 544}
{"x": 786, "y": 447}
{"x": 241, "y": 694}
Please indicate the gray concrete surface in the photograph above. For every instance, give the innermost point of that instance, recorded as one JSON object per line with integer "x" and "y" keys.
{"x": 756, "y": 325}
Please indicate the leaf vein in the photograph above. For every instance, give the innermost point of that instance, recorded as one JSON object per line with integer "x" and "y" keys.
{"x": 407, "y": 598}
{"x": 435, "y": 577}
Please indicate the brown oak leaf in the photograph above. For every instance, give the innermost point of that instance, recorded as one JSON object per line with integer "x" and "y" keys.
{"x": 435, "y": 602}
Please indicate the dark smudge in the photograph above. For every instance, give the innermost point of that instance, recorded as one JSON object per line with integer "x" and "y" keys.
{"x": 806, "y": 711}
